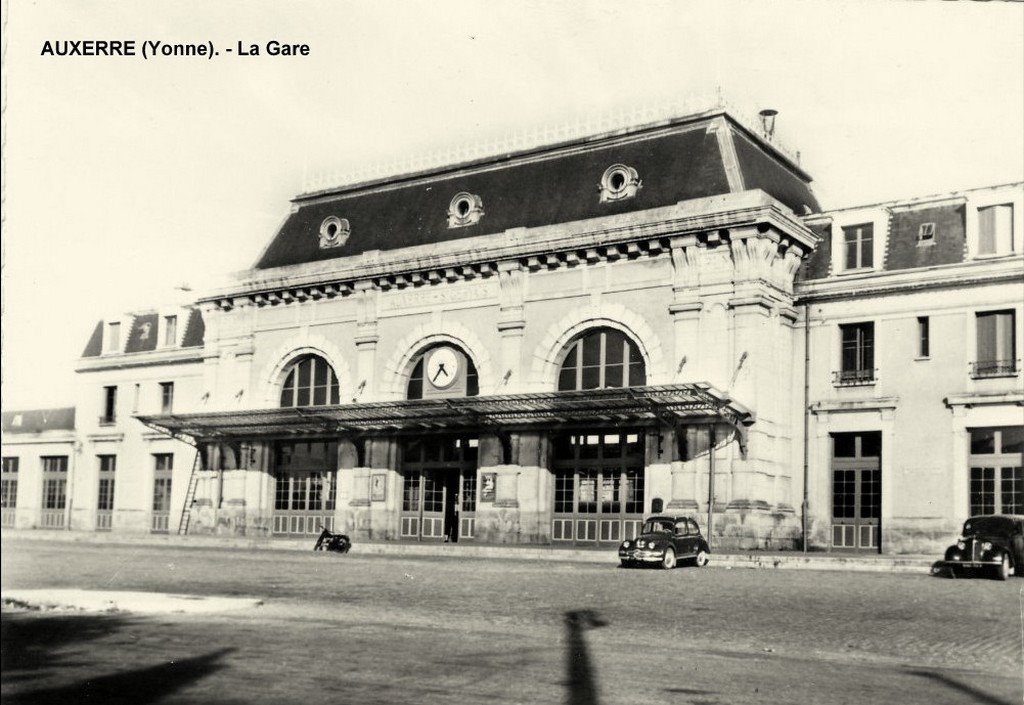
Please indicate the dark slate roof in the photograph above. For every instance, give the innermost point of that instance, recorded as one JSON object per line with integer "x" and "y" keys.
{"x": 818, "y": 263}
{"x": 902, "y": 248}
{"x": 195, "y": 329}
{"x": 677, "y": 162}
{"x": 38, "y": 420}
{"x": 762, "y": 171}
{"x": 948, "y": 246}
{"x": 94, "y": 348}
{"x": 143, "y": 335}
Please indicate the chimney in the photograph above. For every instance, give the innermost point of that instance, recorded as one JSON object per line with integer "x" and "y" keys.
{"x": 768, "y": 123}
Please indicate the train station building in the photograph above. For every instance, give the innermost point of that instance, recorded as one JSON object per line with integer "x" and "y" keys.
{"x": 547, "y": 346}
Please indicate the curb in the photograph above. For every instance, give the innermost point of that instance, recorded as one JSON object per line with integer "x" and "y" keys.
{"x": 762, "y": 561}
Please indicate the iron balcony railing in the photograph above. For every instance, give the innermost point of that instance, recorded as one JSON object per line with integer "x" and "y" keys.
{"x": 853, "y": 378}
{"x": 994, "y": 368}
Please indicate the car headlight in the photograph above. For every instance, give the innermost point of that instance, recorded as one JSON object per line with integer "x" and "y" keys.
{"x": 650, "y": 544}
{"x": 961, "y": 545}
{"x": 625, "y": 544}
{"x": 987, "y": 546}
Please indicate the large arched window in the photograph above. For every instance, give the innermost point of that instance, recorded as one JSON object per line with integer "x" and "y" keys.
{"x": 309, "y": 381}
{"x": 415, "y": 388}
{"x": 600, "y": 358}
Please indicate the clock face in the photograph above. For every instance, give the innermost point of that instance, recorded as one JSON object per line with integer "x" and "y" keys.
{"x": 442, "y": 367}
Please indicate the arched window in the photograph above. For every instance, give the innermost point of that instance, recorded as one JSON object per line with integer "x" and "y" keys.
{"x": 415, "y": 388}
{"x": 309, "y": 381}
{"x": 600, "y": 358}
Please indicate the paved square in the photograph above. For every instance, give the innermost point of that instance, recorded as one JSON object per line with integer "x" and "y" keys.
{"x": 354, "y": 629}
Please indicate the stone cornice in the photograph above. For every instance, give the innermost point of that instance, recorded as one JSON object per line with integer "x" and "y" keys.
{"x": 838, "y": 406}
{"x": 630, "y": 235}
{"x": 120, "y": 361}
{"x": 986, "y": 271}
{"x": 971, "y": 400}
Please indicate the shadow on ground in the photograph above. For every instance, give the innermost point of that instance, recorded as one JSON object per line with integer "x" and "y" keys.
{"x": 33, "y": 646}
{"x": 966, "y": 693}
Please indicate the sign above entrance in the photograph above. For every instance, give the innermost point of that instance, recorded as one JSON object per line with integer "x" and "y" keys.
{"x": 444, "y": 373}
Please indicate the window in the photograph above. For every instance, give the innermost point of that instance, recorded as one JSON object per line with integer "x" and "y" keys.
{"x": 926, "y": 234}
{"x": 309, "y": 381}
{"x": 414, "y": 390}
{"x": 135, "y": 398}
{"x": 923, "y": 342}
{"x": 997, "y": 354}
{"x": 9, "y": 484}
{"x": 618, "y": 182}
{"x": 113, "y": 337}
{"x": 163, "y": 466}
{"x": 858, "y": 244}
{"x": 995, "y": 230}
{"x": 55, "y": 477}
{"x": 170, "y": 330}
{"x": 166, "y": 397}
{"x": 105, "y": 496}
{"x": 602, "y": 358}
{"x": 109, "y": 406}
{"x": 857, "y": 355}
{"x": 997, "y": 470}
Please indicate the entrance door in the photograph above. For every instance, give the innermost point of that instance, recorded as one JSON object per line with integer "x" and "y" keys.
{"x": 438, "y": 488}
{"x": 598, "y": 486}
{"x": 856, "y": 490}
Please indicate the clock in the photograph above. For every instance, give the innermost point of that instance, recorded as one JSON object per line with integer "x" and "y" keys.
{"x": 442, "y": 367}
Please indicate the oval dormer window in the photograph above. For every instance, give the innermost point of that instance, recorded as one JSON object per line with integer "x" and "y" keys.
{"x": 334, "y": 231}
{"x": 465, "y": 209}
{"x": 619, "y": 182}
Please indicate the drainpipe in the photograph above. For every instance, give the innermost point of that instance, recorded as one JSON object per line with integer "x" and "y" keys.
{"x": 807, "y": 422}
{"x": 711, "y": 481}
{"x": 76, "y": 450}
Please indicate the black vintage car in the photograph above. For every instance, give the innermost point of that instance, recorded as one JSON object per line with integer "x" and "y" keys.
{"x": 665, "y": 541}
{"x": 994, "y": 542}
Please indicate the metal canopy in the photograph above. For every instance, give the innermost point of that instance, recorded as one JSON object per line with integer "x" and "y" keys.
{"x": 668, "y": 404}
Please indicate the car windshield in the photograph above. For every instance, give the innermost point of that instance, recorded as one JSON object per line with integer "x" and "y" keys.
{"x": 978, "y": 526}
{"x": 657, "y": 526}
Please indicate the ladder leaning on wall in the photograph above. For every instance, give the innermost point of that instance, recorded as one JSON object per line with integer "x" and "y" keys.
{"x": 190, "y": 495}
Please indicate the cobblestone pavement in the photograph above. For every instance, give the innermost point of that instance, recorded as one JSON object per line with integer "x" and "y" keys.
{"x": 373, "y": 629}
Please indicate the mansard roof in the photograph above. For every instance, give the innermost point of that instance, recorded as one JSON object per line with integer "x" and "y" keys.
{"x": 144, "y": 333}
{"x": 703, "y": 155}
{"x": 900, "y": 223}
{"x": 39, "y": 420}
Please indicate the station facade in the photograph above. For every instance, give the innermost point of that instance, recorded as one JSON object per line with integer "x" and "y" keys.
{"x": 545, "y": 348}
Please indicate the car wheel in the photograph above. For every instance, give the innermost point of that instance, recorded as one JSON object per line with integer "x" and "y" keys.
{"x": 1003, "y": 569}
{"x": 701, "y": 559}
{"x": 625, "y": 564}
{"x": 669, "y": 561}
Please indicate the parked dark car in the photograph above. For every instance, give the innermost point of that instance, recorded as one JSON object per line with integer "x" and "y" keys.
{"x": 664, "y": 541}
{"x": 994, "y": 542}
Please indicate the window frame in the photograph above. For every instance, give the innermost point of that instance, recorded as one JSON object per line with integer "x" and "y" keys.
{"x": 166, "y": 398}
{"x": 863, "y": 371}
{"x": 573, "y": 359}
{"x": 292, "y": 382}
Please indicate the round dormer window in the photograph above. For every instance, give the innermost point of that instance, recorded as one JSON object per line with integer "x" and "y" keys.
{"x": 334, "y": 231}
{"x": 465, "y": 209}
{"x": 618, "y": 182}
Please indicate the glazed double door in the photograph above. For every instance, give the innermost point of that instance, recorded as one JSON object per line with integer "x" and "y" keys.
{"x": 856, "y": 491}
{"x": 439, "y": 489}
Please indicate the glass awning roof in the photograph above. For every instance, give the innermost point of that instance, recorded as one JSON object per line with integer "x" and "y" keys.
{"x": 668, "y": 404}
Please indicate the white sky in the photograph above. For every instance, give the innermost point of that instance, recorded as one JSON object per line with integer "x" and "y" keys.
{"x": 125, "y": 177}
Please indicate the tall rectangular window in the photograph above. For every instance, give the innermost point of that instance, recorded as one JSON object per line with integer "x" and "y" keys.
{"x": 997, "y": 353}
{"x": 9, "y": 483}
{"x": 55, "y": 478}
{"x": 166, "y": 397}
{"x": 163, "y": 465}
{"x": 107, "y": 467}
{"x": 109, "y": 405}
{"x": 113, "y": 337}
{"x": 858, "y": 246}
{"x": 995, "y": 230}
{"x": 170, "y": 330}
{"x": 923, "y": 342}
{"x": 857, "y": 354}
{"x": 997, "y": 470}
